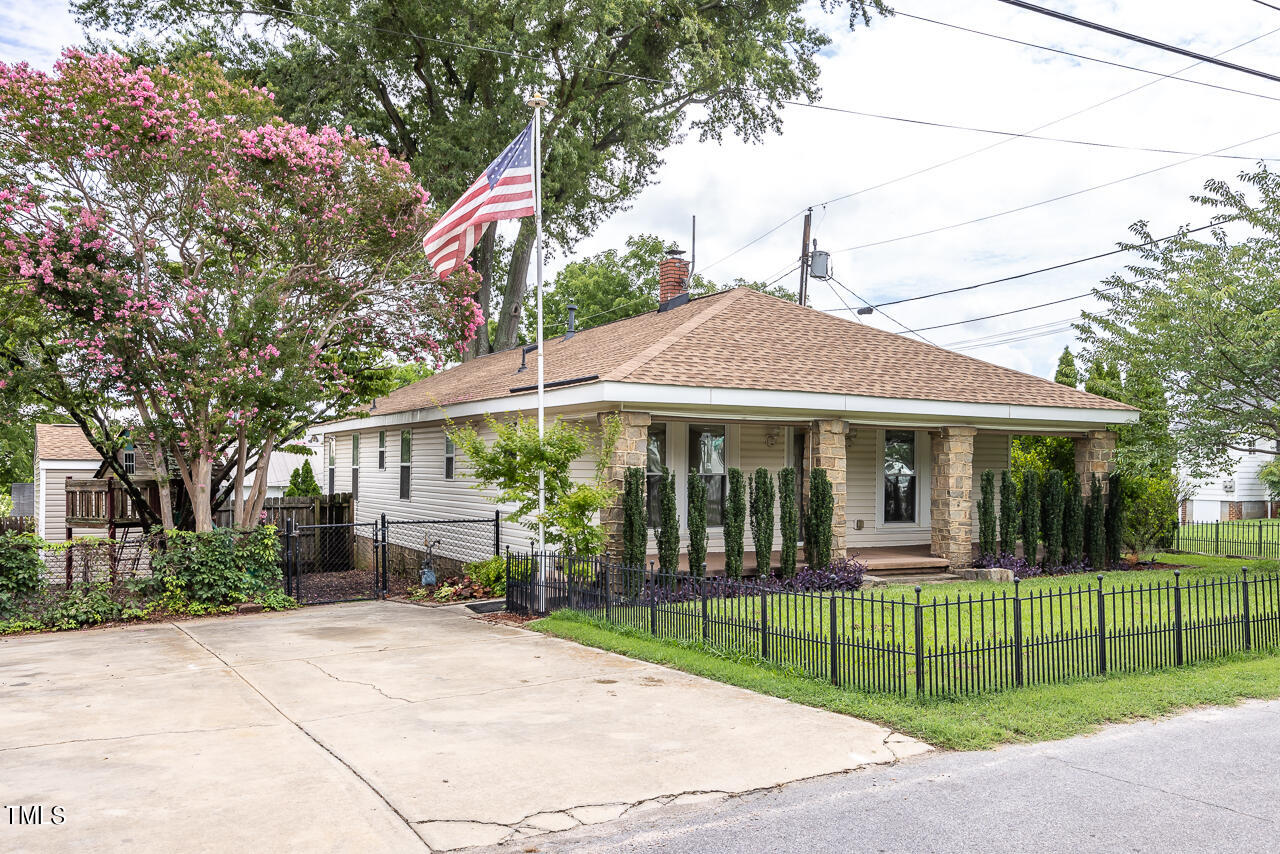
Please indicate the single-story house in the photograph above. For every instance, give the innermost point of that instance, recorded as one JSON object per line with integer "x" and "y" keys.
{"x": 740, "y": 379}
{"x": 1238, "y": 494}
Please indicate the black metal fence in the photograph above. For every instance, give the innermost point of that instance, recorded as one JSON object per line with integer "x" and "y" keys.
{"x": 348, "y": 561}
{"x": 1250, "y": 538}
{"x": 940, "y": 646}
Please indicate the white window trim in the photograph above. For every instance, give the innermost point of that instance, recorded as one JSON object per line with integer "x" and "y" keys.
{"x": 382, "y": 450}
{"x": 924, "y": 466}
{"x": 450, "y": 455}
{"x": 406, "y": 464}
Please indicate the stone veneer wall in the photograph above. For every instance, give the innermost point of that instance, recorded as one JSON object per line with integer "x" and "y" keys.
{"x": 630, "y": 450}
{"x": 827, "y": 438}
{"x": 951, "y": 496}
{"x": 1095, "y": 454}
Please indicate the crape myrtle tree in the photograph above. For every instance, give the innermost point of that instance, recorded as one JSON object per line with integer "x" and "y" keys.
{"x": 176, "y": 252}
{"x": 443, "y": 85}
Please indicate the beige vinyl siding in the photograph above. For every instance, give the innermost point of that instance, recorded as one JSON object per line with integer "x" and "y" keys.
{"x": 863, "y": 482}
{"x": 53, "y": 488}
{"x": 990, "y": 451}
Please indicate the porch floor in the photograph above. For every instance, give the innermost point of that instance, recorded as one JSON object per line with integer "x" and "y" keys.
{"x": 879, "y": 560}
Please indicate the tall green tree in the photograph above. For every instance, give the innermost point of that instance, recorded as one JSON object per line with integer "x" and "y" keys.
{"x": 668, "y": 526}
{"x": 761, "y": 499}
{"x": 1073, "y": 523}
{"x": 1067, "y": 373}
{"x": 1095, "y": 532}
{"x": 302, "y": 482}
{"x": 1053, "y": 505}
{"x": 788, "y": 521}
{"x": 1008, "y": 514}
{"x": 735, "y": 523}
{"x": 817, "y": 520}
{"x": 443, "y": 85}
{"x": 697, "y": 524}
{"x": 987, "y": 515}
{"x": 1117, "y": 486}
{"x": 1031, "y": 516}
{"x": 635, "y": 520}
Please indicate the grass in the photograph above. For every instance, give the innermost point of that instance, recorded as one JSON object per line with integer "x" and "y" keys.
{"x": 1241, "y": 536}
{"x": 1036, "y": 713}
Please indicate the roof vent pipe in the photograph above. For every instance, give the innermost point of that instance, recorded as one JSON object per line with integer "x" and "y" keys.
{"x": 573, "y": 310}
{"x": 524, "y": 355}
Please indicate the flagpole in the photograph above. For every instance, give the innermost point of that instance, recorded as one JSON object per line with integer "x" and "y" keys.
{"x": 538, "y": 102}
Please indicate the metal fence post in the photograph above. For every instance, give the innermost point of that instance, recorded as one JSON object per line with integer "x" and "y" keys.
{"x": 1017, "y": 634}
{"x": 507, "y": 577}
{"x": 764, "y": 623}
{"x": 1244, "y": 593}
{"x": 653, "y": 610}
{"x": 382, "y": 592}
{"x": 831, "y": 632}
{"x": 1260, "y": 539}
{"x": 288, "y": 557}
{"x": 1216, "y": 537}
{"x": 1102, "y": 629}
{"x": 497, "y": 532}
{"x": 919, "y": 637}
{"x": 1177, "y": 618}
{"x": 706, "y": 611}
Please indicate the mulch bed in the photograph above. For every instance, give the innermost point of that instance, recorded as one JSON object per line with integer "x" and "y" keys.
{"x": 502, "y": 618}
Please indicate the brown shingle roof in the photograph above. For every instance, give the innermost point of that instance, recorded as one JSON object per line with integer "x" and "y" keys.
{"x": 63, "y": 442}
{"x": 745, "y": 339}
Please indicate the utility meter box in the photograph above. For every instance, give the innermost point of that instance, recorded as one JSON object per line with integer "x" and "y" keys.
{"x": 820, "y": 264}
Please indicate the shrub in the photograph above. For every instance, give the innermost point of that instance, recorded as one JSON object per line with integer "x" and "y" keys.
{"x": 219, "y": 567}
{"x": 987, "y": 514}
{"x": 20, "y": 567}
{"x": 491, "y": 573}
{"x": 302, "y": 482}
{"x": 1031, "y": 515}
{"x": 1150, "y": 513}
{"x": 817, "y": 519}
{"x": 735, "y": 523}
{"x": 1114, "y": 521}
{"x": 635, "y": 521}
{"x": 1073, "y": 524}
{"x": 762, "y": 497}
{"x": 841, "y": 574}
{"x": 1008, "y": 514}
{"x": 1095, "y": 535}
{"x": 788, "y": 518}
{"x": 1051, "y": 516}
{"x": 697, "y": 525}
{"x": 669, "y": 525}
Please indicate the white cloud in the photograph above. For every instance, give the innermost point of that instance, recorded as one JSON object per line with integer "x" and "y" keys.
{"x": 910, "y": 68}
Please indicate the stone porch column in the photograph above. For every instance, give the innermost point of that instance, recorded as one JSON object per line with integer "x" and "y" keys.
{"x": 951, "y": 496}
{"x": 630, "y": 450}
{"x": 1095, "y": 454}
{"x": 827, "y": 441}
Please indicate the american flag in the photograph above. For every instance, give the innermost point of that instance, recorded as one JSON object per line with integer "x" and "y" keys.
{"x": 504, "y": 191}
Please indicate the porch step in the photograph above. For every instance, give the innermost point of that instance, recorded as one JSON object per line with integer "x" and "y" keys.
{"x": 880, "y": 579}
{"x": 907, "y": 566}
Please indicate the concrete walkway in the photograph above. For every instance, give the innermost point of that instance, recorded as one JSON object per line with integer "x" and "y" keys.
{"x": 375, "y": 727}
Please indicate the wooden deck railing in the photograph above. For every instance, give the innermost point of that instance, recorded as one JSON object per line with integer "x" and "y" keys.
{"x": 103, "y": 502}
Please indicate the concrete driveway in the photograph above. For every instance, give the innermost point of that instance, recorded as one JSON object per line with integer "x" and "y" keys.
{"x": 376, "y": 727}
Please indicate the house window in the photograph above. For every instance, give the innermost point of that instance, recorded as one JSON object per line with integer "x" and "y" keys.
{"x": 450, "y": 456}
{"x": 382, "y": 450}
{"x": 128, "y": 459}
{"x": 655, "y": 463}
{"x": 406, "y": 462}
{"x": 899, "y": 476}
{"x": 707, "y": 460}
{"x": 333, "y": 463}
{"x": 355, "y": 466}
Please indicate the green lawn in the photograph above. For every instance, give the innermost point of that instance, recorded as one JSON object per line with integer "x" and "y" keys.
{"x": 1028, "y": 714}
{"x": 1259, "y": 537}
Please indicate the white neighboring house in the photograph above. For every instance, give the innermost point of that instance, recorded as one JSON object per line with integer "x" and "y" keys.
{"x": 1238, "y": 494}
{"x": 61, "y": 451}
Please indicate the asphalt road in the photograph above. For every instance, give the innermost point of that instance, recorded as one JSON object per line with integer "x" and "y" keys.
{"x": 1208, "y": 780}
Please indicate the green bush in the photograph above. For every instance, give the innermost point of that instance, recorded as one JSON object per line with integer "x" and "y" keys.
{"x": 761, "y": 500}
{"x": 20, "y": 567}
{"x": 789, "y": 520}
{"x": 635, "y": 522}
{"x": 817, "y": 520}
{"x": 735, "y": 523}
{"x": 987, "y": 515}
{"x": 1051, "y": 517}
{"x": 1114, "y": 518}
{"x": 302, "y": 482}
{"x": 1073, "y": 524}
{"x": 669, "y": 527}
{"x": 1008, "y": 514}
{"x": 491, "y": 573}
{"x": 697, "y": 524}
{"x": 1095, "y": 535}
{"x": 219, "y": 567}
{"x": 1151, "y": 513}
{"x": 1031, "y": 515}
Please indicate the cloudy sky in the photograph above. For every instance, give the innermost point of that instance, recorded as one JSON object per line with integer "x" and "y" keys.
{"x": 913, "y": 69}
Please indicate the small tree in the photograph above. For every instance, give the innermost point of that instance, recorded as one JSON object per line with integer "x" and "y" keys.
{"x": 1030, "y": 515}
{"x": 1073, "y": 524}
{"x": 302, "y": 483}
{"x": 1270, "y": 477}
{"x": 1150, "y": 514}
{"x": 817, "y": 521}
{"x": 735, "y": 522}
{"x": 511, "y": 465}
{"x": 635, "y": 527}
{"x": 697, "y": 524}
{"x": 789, "y": 519}
{"x": 1054, "y": 504}
{"x": 1008, "y": 514}
{"x": 762, "y": 497}
{"x": 987, "y": 515}
{"x": 1114, "y": 517}
{"x": 668, "y": 526}
{"x": 1095, "y": 526}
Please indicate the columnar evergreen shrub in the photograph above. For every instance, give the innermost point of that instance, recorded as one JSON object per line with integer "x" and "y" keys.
{"x": 697, "y": 524}
{"x": 1114, "y": 518}
{"x": 987, "y": 515}
{"x": 1008, "y": 514}
{"x": 788, "y": 519}
{"x": 735, "y": 523}
{"x": 1053, "y": 504}
{"x": 1030, "y": 515}
{"x": 817, "y": 520}
{"x": 635, "y": 527}
{"x": 761, "y": 499}
{"x": 668, "y": 525}
{"x": 302, "y": 482}
{"x": 1095, "y": 545}
{"x": 1073, "y": 524}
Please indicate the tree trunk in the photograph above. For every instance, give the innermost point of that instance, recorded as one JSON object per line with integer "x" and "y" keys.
{"x": 259, "y": 493}
{"x": 237, "y": 494}
{"x": 201, "y": 503}
{"x": 513, "y": 295}
{"x": 160, "y": 468}
{"x": 481, "y": 344}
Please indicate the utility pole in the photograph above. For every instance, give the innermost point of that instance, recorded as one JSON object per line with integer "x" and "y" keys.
{"x": 804, "y": 259}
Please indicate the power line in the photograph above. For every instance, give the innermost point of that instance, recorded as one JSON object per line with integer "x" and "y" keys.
{"x": 998, "y": 337}
{"x": 905, "y": 329}
{"x": 1093, "y": 292}
{"x": 1048, "y": 269}
{"x": 1143, "y": 40}
{"x": 1268, "y": 5}
{"x": 1060, "y": 198}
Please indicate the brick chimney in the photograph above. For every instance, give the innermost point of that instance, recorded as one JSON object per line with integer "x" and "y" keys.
{"x": 673, "y": 280}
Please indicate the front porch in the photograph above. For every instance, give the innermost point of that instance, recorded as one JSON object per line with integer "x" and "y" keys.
{"x": 879, "y": 560}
